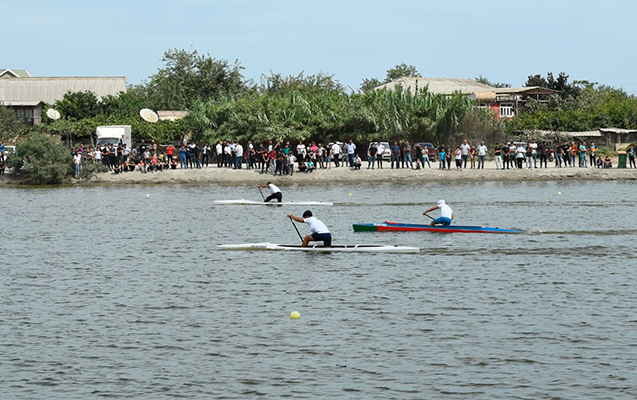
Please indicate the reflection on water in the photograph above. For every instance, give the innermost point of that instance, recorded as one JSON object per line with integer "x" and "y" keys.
{"x": 109, "y": 292}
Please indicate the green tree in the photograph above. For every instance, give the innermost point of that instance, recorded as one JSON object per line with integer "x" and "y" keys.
{"x": 560, "y": 84}
{"x": 400, "y": 71}
{"x": 189, "y": 77}
{"x": 370, "y": 84}
{"x": 78, "y": 105}
{"x": 10, "y": 124}
{"x": 43, "y": 158}
{"x": 485, "y": 81}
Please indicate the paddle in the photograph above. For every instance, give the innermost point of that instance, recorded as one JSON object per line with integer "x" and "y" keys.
{"x": 296, "y": 229}
{"x": 433, "y": 219}
{"x": 261, "y": 193}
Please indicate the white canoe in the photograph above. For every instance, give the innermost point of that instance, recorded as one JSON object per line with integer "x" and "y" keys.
{"x": 357, "y": 248}
{"x": 244, "y": 202}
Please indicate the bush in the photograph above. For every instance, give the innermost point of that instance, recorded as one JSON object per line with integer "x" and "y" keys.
{"x": 43, "y": 158}
{"x": 89, "y": 169}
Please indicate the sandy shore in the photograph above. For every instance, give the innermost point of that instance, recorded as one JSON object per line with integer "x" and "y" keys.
{"x": 229, "y": 176}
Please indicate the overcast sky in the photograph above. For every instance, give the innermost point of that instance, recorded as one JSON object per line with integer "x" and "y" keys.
{"x": 504, "y": 41}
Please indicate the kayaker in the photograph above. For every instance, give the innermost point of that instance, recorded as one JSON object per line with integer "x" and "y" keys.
{"x": 446, "y": 214}
{"x": 275, "y": 192}
{"x": 318, "y": 230}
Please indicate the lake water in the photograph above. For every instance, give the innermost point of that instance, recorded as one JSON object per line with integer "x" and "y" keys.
{"x": 108, "y": 292}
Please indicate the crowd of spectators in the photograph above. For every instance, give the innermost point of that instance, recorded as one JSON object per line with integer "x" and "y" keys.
{"x": 279, "y": 158}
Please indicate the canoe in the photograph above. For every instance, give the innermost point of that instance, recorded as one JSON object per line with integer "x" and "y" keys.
{"x": 244, "y": 202}
{"x": 388, "y": 226}
{"x": 354, "y": 248}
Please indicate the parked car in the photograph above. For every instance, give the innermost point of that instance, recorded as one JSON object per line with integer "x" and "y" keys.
{"x": 386, "y": 156}
{"x": 431, "y": 150}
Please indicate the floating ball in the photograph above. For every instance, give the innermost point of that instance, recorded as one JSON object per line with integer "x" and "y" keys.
{"x": 350, "y": 194}
{"x": 295, "y": 315}
{"x": 559, "y": 192}
{"x": 147, "y": 195}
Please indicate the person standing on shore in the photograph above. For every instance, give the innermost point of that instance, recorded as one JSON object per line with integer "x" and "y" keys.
{"x": 371, "y": 155}
{"x": 446, "y": 214}
{"x": 482, "y": 153}
{"x": 519, "y": 155}
{"x": 395, "y": 155}
{"x": 533, "y": 146}
{"x": 351, "y": 150}
{"x": 498, "y": 156}
{"x": 77, "y": 160}
{"x": 505, "y": 155}
{"x": 465, "y": 152}
{"x": 442, "y": 153}
{"x": 593, "y": 153}
{"x": 219, "y": 153}
{"x": 318, "y": 230}
{"x": 631, "y": 156}
{"x": 275, "y": 192}
{"x": 380, "y": 150}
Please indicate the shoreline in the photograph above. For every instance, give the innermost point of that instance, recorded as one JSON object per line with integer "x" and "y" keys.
{"x": 229, "y": 176}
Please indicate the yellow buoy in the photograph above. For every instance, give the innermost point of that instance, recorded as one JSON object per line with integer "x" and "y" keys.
{"x": 350, "y": 194}
{"x": 559, "y": 192}
{"x": 147, "y": 195}
{"x": 295, "y": 315}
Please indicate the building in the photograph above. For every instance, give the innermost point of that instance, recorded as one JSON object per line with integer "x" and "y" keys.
{"x": 504, "y": 102}
{"x": 28, "y": 95}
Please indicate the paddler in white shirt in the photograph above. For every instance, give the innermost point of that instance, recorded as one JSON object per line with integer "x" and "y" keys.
{"x": 275, "y": 192}
{"x": 318, "y": 230}
{"x": 446, "y": 214}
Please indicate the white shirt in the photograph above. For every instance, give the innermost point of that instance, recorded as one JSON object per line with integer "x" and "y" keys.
{"x": 273, "y": 188}
{"x": 465, "y": 149}
{"x": 98, "y": 154}
{"x": 459, "y": 155}
{"x": 77, "y": 158}
{"x": 519, "y": 152}
{"x": 533, "y": 148}
{"x": 445, "y": 211}
{"x": 336, "y": 149}
{"x": 238, "y": 150}
{"x": 380, "y": 150}
{"x": 351, "y": 148}
{"x": 300, "y": 149}
{"x": 316, "y": 226}
{"x": 482, "y": 150}
{"x": 292, "y": 159}
{"x": 219, "y": 148}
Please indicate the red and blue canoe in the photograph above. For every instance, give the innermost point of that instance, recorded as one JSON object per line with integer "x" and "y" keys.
{"x": 388, "y": 226}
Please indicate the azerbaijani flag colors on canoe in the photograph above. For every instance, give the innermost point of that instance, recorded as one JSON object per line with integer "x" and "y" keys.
{"x": 388, "y": 226}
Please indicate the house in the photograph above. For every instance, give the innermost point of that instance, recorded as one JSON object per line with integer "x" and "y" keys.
{"x": 504, "y": 102}
{"x": 28, "y": 95}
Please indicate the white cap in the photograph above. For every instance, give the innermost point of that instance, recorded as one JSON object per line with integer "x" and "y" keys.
{"x": 441, "y": 202}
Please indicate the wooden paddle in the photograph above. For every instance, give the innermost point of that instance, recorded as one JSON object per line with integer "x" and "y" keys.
{"x": 261, "y": 193}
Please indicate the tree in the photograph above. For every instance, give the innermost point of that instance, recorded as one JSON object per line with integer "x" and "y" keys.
{"x": 189, "y": 77}
{"x": 43, "y": 157}
{"x": 485, "y": 81}
{"x": 78, "y": 105}
{"x": 400, "y": 71}
{"x": 370, "y": 84}
{"x": 560, "y": 84}
{"x": 10, "y": 124}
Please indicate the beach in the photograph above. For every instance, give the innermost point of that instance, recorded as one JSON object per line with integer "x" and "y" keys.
{"x": 229, "y": 176}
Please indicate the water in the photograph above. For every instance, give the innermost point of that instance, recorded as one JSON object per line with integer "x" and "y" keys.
{"x": 108, "y": 292}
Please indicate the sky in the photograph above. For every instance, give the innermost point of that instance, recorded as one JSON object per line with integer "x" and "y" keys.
{"x": 504, "y": 41}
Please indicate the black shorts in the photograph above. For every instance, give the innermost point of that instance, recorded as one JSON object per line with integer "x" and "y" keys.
{"x": 326, "y": 238}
